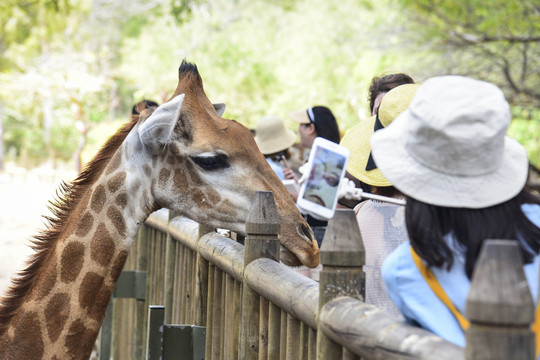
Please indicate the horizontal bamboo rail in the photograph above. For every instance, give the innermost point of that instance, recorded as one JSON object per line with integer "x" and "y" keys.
{"x": 252, "y": 306}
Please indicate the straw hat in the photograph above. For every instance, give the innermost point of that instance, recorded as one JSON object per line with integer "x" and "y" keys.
{"x": 357, "y": 139}
{"x": 450, "y": 149}
{"x": 272, "y": 136}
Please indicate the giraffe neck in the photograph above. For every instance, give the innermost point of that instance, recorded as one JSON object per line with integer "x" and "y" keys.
{"x": 62, "y": 313}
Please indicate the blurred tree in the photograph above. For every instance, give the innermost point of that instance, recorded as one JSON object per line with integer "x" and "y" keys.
{"x": 26, "y": 24}
{"x": 496, "y": 40}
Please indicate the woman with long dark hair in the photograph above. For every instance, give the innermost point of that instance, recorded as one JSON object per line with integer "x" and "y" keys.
{"x": 464, "y": 182}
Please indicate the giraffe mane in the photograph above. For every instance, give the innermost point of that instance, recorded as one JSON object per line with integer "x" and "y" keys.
{"x": 68, "y": 196}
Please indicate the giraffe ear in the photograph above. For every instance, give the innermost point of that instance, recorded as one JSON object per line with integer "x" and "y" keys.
{"x": 156, "y": 131}
{"x": 220, "y": 108}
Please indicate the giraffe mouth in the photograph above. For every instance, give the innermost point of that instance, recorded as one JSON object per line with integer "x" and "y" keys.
{"x": 307, "y": 255}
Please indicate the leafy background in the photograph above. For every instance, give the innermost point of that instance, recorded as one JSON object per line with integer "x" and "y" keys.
{"x": 70, "y": 70}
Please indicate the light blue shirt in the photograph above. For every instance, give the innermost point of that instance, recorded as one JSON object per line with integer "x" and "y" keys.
{"x": 277, "y": 169}
{"x": 419, "y": 304}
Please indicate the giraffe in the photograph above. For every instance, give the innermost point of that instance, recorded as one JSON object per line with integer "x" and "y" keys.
{"x": 182, "y": 155}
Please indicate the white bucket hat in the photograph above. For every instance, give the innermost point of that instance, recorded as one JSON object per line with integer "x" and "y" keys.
{"x": 450, "y": 149}
{"x": 272, "y": 136}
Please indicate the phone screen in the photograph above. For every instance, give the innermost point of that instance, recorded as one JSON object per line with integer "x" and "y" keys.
{"x": 320, "y": 191}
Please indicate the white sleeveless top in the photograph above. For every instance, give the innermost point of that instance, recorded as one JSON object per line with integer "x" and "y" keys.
{"x": 382, "y": 226}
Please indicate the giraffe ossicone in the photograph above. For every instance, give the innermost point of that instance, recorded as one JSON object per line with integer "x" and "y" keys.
{"x": 182, "y": 156}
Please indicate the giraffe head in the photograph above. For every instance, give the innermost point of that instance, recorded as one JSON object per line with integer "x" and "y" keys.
{"x": 208, "y": 168}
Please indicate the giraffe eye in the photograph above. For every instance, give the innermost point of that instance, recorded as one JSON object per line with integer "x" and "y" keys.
{"x": 210, "y": 163}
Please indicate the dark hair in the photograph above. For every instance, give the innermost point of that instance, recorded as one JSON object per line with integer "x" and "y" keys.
{"x": 279, "y": 155}
{"x": 325, "y": 124}
{"x": 384, "y": 84}
{"x": 428, "y": 224}
{"x": 388, "y": 191}
{"x": 141, "y": 105}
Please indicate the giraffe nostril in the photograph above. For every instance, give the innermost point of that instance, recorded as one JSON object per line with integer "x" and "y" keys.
{"x": 305, "y": 230}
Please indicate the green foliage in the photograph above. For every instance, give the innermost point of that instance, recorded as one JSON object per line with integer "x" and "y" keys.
{"x": 82, "y": 64}
{"x": 525, "y": 128}
{"x": 494, "y": 40}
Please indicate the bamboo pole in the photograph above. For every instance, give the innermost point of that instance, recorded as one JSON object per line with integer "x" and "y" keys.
{"x": 372, "y": 333}
{"x": 202, "y": 284}
{"x": 294, "y": 293}
{"x": 274, "y": 327}
{"x": 194, "y": 277}
{"x": 223, "y": 301}
{"x": 304, "y": 341}
{"x": 262, "y": 227}
{"x": 170, "y": 266}
{"x": 263, "y": 328}
{"x": 237, "y": 318}
{"x": 223, "y": 252}
{"x": 210, "y": 312}
{"x": 283, "y": 337}
{"x": 293, "y": 331}
{"x": 228, "y": 350}
{"x": 216, "y": 314}
{"x": 312, "y": 344}
{"x": 140, "y": 315}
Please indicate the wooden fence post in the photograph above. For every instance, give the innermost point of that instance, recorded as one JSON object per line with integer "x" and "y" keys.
{"x": 141, "y": 309}
{"x": 262, "y": 227}
{"x": 342, "y": 257}
{"x": 499, "y": 306}
{"x": 156, "y": 319}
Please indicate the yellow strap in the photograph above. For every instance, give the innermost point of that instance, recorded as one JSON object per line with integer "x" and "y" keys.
{"x": 464, "y": 323}
{"x": 536, "y": 329}
{"x": 438, "y": 290}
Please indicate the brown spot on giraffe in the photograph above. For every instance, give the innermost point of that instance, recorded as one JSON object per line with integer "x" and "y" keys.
{"x": 85, "y": 225}
{"x": 134, "y": 185}
{"x": 144, "y": 202}
{"x": 46, "y": 279}
{"x": 147, "y": 170}
{"x": 102, "y": 246}
{"x": 181, "y": 179}
{"x": 94, "y": 295}
{"x": 121, "y": 200}
{"x": 164, "y": 175}
{"x": 71, "y": 261}
{"x": 117, "y": 220}
{"x": 56, "y": 314}
{"x": 212, "y": 195}
{"x": 226, "y": 207}
{"x": 116, "y": 181}
{"x": 118, "y": 265}
{"x": 200, "y": 199}
{"x": 28, "y": 339}
{"x": 78, "y": 340}
{"x": 98, "y": 199}
{"x": 114, "y": 164}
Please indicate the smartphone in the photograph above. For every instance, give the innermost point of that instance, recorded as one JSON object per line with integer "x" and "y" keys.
{"x": 327, "y": 164}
